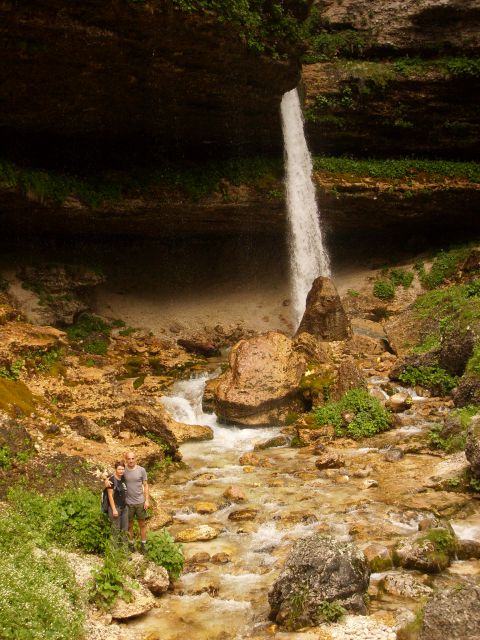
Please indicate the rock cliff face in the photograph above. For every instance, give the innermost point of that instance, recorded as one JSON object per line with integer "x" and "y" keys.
{"x": 116, "y": 77}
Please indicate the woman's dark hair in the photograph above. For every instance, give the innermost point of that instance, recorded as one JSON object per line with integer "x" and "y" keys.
{"x": 119, "y": 463}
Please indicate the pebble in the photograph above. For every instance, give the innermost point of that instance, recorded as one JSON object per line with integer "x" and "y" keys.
{"x": 361, "y": 628}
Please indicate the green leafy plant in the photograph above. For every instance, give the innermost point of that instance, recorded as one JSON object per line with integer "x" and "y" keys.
{"x": 164, "y": 551}
{"x": 384, "y": 290}
{"x": 109, "y": 581}
{"x": 330, "y": 611}
{"x": 444, "y": 266}
{"x": 436, "y": 379}
{"x": 367, "y": 416}
{"x": 78, "y": 521}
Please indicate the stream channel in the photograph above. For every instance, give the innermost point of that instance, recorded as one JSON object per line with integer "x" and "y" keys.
{"x": 290, "y": 498}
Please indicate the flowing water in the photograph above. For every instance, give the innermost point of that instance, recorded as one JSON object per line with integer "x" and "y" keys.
{"x": 291, "y": 498}
{"x": 308, "y": 256}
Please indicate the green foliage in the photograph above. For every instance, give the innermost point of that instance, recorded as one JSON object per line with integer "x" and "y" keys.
{"x": 5, "y": 457}
{"x": 384, "y": 289}
{"x": 473, "y": 365}
{"x": 368, "y": 416}
{"x": 13, "y": 371}
{"x": 399, "y": 169}
{"x": 164, "y": 551}
{"x": 91, "y": 333}
{"x": 444, "y": 266}
{"x": 411, "y": 631}
{"x": 401, "y": 277}
{"x": 434, "y": 378}
{"x": 265, "y": 27}
{"x": 78, "y": 521}
{"x": 326, "y": 45}
{"x": 39, "y": 598}
{"x": 297, "y": 602}
{"x": 330, "y": 611}
{"x": 110, "y": 580}
{"x": 450, "y": 444}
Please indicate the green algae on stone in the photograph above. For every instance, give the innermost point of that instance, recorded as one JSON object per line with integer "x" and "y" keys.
{"x": 14, "y": 393}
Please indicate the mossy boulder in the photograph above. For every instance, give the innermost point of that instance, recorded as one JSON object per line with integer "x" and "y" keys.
{"x": 430, "y": 552}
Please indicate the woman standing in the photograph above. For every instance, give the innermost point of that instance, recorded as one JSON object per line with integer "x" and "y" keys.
{"x": 117, "y": 499}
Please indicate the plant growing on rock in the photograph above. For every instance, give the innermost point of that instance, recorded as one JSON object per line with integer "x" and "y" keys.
{"x": 109, "y": 581}
{"x": 384, "y": 290}
{"x": 356, "y": 415}
{"x": 434, "y": 378}
{"x": 330, "y": 611}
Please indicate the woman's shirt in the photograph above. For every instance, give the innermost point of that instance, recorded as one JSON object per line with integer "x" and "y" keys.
{"x": 119, "y": 492}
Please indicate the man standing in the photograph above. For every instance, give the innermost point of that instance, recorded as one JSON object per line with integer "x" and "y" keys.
{"x": 137, "y": 499}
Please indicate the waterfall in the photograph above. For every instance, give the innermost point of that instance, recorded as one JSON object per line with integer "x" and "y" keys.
{"x": 308, "y": 256}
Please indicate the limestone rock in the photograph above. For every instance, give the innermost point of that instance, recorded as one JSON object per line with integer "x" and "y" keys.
{"x": 156, "y": 420}
{"x": 205, "y": 507}
{"x": 319, "y": 569}
{"x": 467, "y": 391}
{"x": 156, "y": 579}
{"x": 235, "y": 494}
{"x": 262, "y": 383}
{"x": 277, "y": 441}
{"x": 472, "y": 446}
{"x": 453, "y": 614}
{"x": 201, "y": 533}
{"x": 86, "y": 428}
{"x": 399, "y": 402}
{"x": 208, "y": 400}
{"x": 20, "y": 337}
{"x": 241, "y": 515}
{"x": 429, "y": 552}
{"x": 405, "y": 585}
{"x": 206, "y": 349}
{"x": 221, "y": 558}
{"x": 324, "y": 316}
{"x": 379, "y": 557}
{"x": 141, "y": 602}
{"x": 330, "y": 460}
{"x": 249, "y": 458}
{"x": 468, "y": 549}
{"x": 312, "y": 348}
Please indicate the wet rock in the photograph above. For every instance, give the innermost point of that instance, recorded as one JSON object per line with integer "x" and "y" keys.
{"x": 399, "y": 402}
{"x": 243, "y": 514}
{"x": 206, "y": 507}
{"x": 201, "y": 533}
{"x": 199, "y": 558}
{"x": 156, "y": 579}
{"x": 141, "y": 602}
{"x": 277, "y": 441}
{"x": 405, "y": 585}
{"x": 206, "y": 349}
{"x": 319, "y": 569}
{"x": 249, "y": 458}
{"x": 261, "y": 385}
{"x": 204, "y": 479}
{"x": 379, "y": 557}
{"x": 156, "y": 420}
{"x": 429, "y": 552}
{"x": 208, "y": 400}
{"x": 369, "y": 483}
{"x": 329, "y": 460}
{"x": 472, "y": 446}
{"x": 393, "y": 455}
{"x": 221, "y": 558}
{"x": 235, "y": 494}
{"x": 324, "y": 316}
{"x": 313, "y": 348}
{"x": 87, "y": 428}
{"x": 453, "y": 614}
{"x": 468, "y": 549}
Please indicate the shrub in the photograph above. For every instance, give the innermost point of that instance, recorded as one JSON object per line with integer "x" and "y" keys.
{"x": 369, "y": 417}
{"x": 384, "y": 289}
{"x": 436, "y": 379}
{"x": 330, "y": 611}
{"x": 444, "y": 266}
{"x": 164, "y": 551}
{"x": 79, "y": 522}
{"x": 109, "y": 581}
{"x": 401, "y": 277}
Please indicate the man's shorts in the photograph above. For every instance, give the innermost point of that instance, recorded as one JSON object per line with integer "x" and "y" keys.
{"x": 136, "y": 510}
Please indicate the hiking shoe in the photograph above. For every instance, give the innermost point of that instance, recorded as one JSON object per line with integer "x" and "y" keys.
{"x": 131, "y": 547}
{"x": 143, "y": 548}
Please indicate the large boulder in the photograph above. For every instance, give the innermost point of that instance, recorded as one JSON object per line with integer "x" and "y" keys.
{"x": 261, "y": 385}
{"x": 324, "y": 315}
{"x": 453, "y": 614}
{"x": 467, "y": 391}
{"x": 156, "y": 421}
{"x": 472, "y": 446}
{"x": 319, "y": 570}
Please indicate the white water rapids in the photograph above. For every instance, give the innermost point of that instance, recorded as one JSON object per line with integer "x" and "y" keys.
{"x": 308, "y": 256}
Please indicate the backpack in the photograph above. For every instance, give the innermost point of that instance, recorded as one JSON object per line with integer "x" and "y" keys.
{"x": 104, "y": 501}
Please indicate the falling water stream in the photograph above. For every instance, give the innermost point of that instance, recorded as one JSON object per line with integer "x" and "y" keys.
{"x": 308, "y": 256}
{"x": 216, "y": 601}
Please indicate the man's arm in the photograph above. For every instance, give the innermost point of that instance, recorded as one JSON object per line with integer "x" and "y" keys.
{"x": 146, "y": 494}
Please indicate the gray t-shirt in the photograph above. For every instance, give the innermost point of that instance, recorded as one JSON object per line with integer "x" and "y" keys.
{"x": 135, "y": 478}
